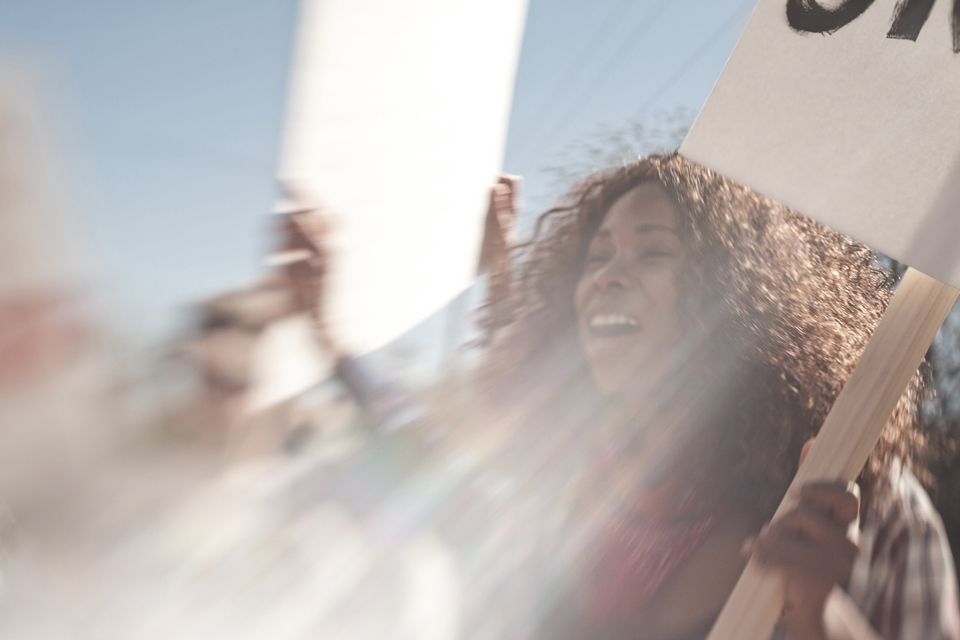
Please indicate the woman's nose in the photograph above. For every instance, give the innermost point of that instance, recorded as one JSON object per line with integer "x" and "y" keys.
{"x": 613, "y": 275}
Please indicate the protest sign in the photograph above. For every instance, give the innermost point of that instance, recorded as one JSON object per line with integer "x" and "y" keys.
{"x": 843, "y": 113}
{"x": 847, "y": 112}
{"x": 396, "y": 123}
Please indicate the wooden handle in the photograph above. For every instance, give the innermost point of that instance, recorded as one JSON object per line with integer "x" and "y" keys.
{"x": 849, "y": 433}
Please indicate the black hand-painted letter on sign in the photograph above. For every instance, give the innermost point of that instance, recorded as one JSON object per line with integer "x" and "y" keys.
{"x": 808, "y": 15}
{"x": 955, "y": 23}
{"x": 909, "y": 16}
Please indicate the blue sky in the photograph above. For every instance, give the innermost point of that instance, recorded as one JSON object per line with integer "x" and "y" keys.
{"x": 174, "y": 110}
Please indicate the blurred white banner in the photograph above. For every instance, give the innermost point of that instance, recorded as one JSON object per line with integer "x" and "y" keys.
{"x": 396, "y": 122}
{"x": 849, "y": 112}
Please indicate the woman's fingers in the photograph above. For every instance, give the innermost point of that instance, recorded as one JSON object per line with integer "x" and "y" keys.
{"x": 811, "y": 547}
{"x": 785, "y": 548}
{"x": 811, "y": 541}
{"x": 816, "y": 527}
{"x": 838, "y": 501}
{"x": 313, "y": 229}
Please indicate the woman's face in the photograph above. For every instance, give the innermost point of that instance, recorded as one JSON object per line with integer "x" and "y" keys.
{"x": 627, "y": 296}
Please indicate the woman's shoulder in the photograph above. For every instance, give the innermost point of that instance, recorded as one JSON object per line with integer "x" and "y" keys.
{"x": 904, "y": 580}
{"x": 904, "y": 509}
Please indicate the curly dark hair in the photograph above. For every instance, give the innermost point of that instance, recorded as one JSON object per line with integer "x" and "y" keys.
{"x": 778, "y": 309}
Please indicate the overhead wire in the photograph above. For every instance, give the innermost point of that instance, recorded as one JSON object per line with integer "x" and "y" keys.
{"x": 661, "y": 90}
{"x": 643, "y": 26}
{"x": 586, "y": 52}
{"x": 688, "y": 64}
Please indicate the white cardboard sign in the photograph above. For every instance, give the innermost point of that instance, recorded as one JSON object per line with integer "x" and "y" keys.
{"x": 397, "y": 122}
{"x": 849, "y": 112}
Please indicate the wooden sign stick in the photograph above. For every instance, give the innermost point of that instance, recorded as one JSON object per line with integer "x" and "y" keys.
{"x": 849, "y": 433}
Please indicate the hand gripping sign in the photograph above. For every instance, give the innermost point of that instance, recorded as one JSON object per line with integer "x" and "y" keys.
{"x": 849, "y": 112}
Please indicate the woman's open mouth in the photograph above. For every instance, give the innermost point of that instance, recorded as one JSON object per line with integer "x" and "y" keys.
{"x": 613, "y": 325}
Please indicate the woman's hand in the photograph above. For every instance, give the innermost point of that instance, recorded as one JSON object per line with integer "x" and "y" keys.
{"x": 498, "y": 233}
{"x": 811, "y": 546}
{"x": 304, "y": 254}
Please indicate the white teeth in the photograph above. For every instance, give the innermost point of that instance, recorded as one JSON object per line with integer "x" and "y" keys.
{"x": 613, "y": 320}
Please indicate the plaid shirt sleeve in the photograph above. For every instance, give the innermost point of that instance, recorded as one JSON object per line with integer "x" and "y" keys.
{"x": 904, "y": 580}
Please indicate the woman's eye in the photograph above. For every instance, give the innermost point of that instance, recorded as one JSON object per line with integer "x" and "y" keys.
{"x": 653, "y": 254}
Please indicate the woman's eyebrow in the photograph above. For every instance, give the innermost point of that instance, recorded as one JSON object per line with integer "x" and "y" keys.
{"x": 652, "y": 227}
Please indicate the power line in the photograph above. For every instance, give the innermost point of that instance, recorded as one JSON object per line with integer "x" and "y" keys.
{"x": 692, "y": 60}
{"x": 675, "y": 77}
{"x": 645, "y": 23}
{"x": 585, "y": 53}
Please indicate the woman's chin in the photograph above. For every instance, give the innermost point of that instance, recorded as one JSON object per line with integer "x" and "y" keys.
{"x": 620, "y": 381}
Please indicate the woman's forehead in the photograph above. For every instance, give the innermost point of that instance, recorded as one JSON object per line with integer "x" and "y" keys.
{"x": 645, "y": 204}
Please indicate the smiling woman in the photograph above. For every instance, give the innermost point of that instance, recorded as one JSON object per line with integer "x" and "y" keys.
{"x": 736, "y": 299}
{"x": 700, "y": 333}
{"x": 668, "y": 342}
